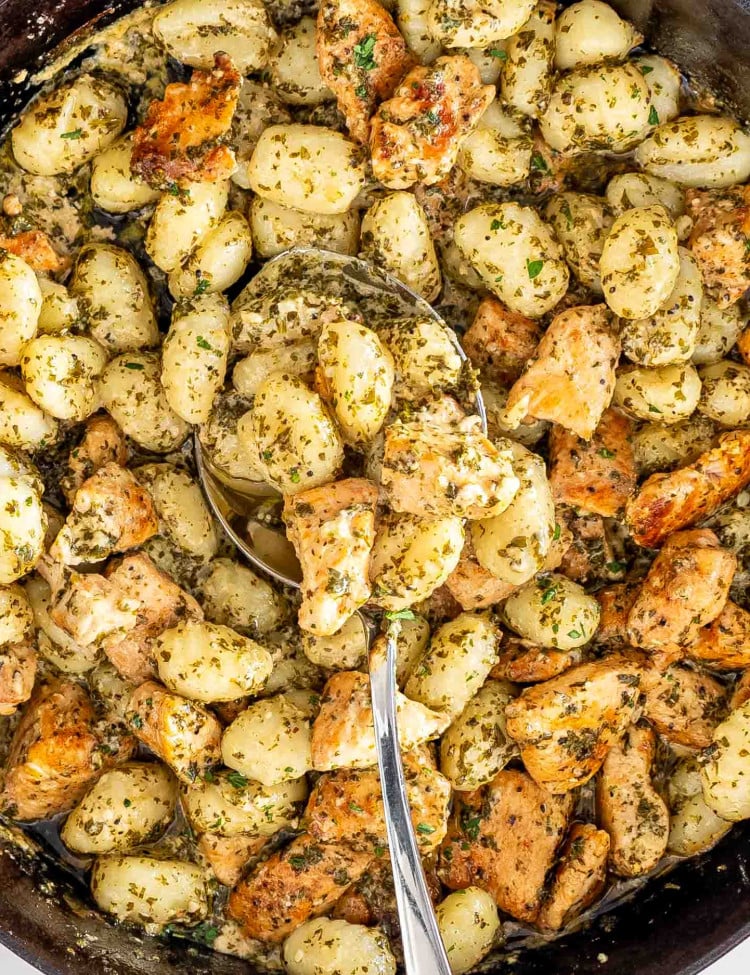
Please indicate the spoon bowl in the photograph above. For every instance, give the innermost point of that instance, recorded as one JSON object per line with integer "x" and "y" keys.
{"x": 250, "y": 514}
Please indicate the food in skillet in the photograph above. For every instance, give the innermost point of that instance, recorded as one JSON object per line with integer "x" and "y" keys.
{"x": 571, "y": 589}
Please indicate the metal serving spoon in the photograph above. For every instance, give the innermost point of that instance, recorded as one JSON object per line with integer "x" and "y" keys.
{"x": 249, "y": 513}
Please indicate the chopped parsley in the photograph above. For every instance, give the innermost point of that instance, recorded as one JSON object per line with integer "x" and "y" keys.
{"x": 607, "y": 454}
{"x": 237, "y": 780}
{"x": 74, "y": 134}
{"x": 539, "y": 163}
{"x": 400, "y": 614}
{"x": 534, "y": 269}
{"x": 364, "y": 53}
{"x": 203, "y": 343}
{"x": 653, "y": 116}
{"x": 134, "y": 365}
{"x": 496, "y": 52}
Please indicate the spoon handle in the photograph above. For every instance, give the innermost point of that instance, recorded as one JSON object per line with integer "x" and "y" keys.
{"x": 424, "y": 953}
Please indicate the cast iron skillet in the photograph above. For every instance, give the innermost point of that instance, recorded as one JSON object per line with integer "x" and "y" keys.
{"x": 678, "y": 924}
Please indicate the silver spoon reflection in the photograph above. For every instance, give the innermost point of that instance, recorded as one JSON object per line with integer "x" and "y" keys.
{"x": 250, "y": 514}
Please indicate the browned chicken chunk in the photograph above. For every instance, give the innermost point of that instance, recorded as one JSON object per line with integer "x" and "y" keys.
{"x": 527, "y": 663}
{"x": 91, "y": 609}
{"x": 683, "y": 705}
{"x": 590, "y": 555}
{"x": 499, "y": 342}
{"x": 579, "y": 877}
{"x": 347, "y": 806}
{"x": 685, "y": 589}
{"x": 431, "y": 471}
{"x": 17, "y": 675}
{"x": 103, "y": 443}
{"x": 36, "y": 248}
{"x": 56, "y": 753}
{"x": 741, "y": 691}
{"x": 302, "y": 881}
{"x": 472, "y": 586}
{"x": 721, "y": 228}
{"x": 332, "y": 529}
{"x": 595, "y": 476}
{"x": 343, "y": 734}
{"x": 571, "y": 378}
{"x": 630, "y": 809}
{"x": 182, "y": 733}
{"x": 725, "y": 643}
{"x": 111, "y": 513}
{"x": 229, "y": 856}
{"x": 667, "y": 503}
{"x": 161, "y": 605}
{"x": 416, "y": 134}
{"x": 362, "y": 57}
{"x": 566, "y": 726}
{"x": 179, "y": 137}
{"x": 743, "y": 346}
{"x": 503, "y": 838}
{"x": 615, "y": 603}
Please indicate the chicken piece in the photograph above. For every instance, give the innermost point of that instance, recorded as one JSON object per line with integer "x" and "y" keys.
{"x": 111, "y": 513}
{"x": 17, "y": 676}
{"x": 332, "y": 529}
{"x": 499, "y": 342}
{"x": 103, "y": 443}
{"x": 685, "y": 589}
{"x": 566, "y": 726}
{"x": 667, "y": 503}
{"x": 181, "y": 733}
{"x": 362, "y": 57}
{"x": 596, "y": 476}
{"x": 725, "y": 643}
{"x": 743, "y": 346}
{"x": 300, "y": 882}
{"x": 579, "y": 878}
{"x": 615, "y": 603}
{"x": 589, "y": 555}
{"x": 721, "y": 229}
{"x": 527, "y": 663}
{"x": 503, "y": 838}
{"x": 683, "y": 705}
{"x": 354, "y": 908}
{"x": 35, "y": 248}
{"x": 416, "y": 135}
{"x": 740, "y": 691}
{"x": 92, "y": 610}
{"x": 347, "y": 806}
{"x": 229, "y": 856}
{"x": 179, "y": 137}
{"x": 571, "y": 378}
{"x": 472, "y": 586}
{"x": 161, "y": 605}
{"x": 56, "y": 754}
{"x": 439, "y": 607}
{"x": 629, "y": 808}
{"x": 343, "y": 734}
{"x": 431, "y": 471}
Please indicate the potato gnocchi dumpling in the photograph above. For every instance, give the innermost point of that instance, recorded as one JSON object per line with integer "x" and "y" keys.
{"x": 308, "y": 167}
{"x": 516, "y": 256}
{"x": 217, "y": 262}
{"x": 724, "y": 776}
{"x": 589, "y": 32}
{"x": 582, "y": 224}
{"x": 667, "y": 394}
{"x": 498, "y": 151}
{"x": 193, "y": 30}
{"x": 469, "y": 926}
{"x": 270, "y": 742}
{"x": 553, "y": 611}
{"x": 697, "y": 150}
{"x": 396, "y": 236}
{"x": 718, "y": 330}
{"x": 131, "y": 392}
{"x": 113, "y": 186}
{"x": 276, "y": 228}
{"x": 23, "y": 523}
{"x": 640, "y": 262}
{"x": 20, "y": 306}
{"x": 326, "y": 947}
{"x": 70, "y": 125}
{"x": 210, "y": 662}
{"x": 526, "y": 74}
{"x": 182, "y": 218}
{"x": 725, "y": 393}
{"x": 60, "y": 373}
{"x": 476, "y": 746}
{"x": 127, "y": 807}
{"x": 113, "y": 296}
{"x": 150, "y": 891}
{"x": 228, "y": 805}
